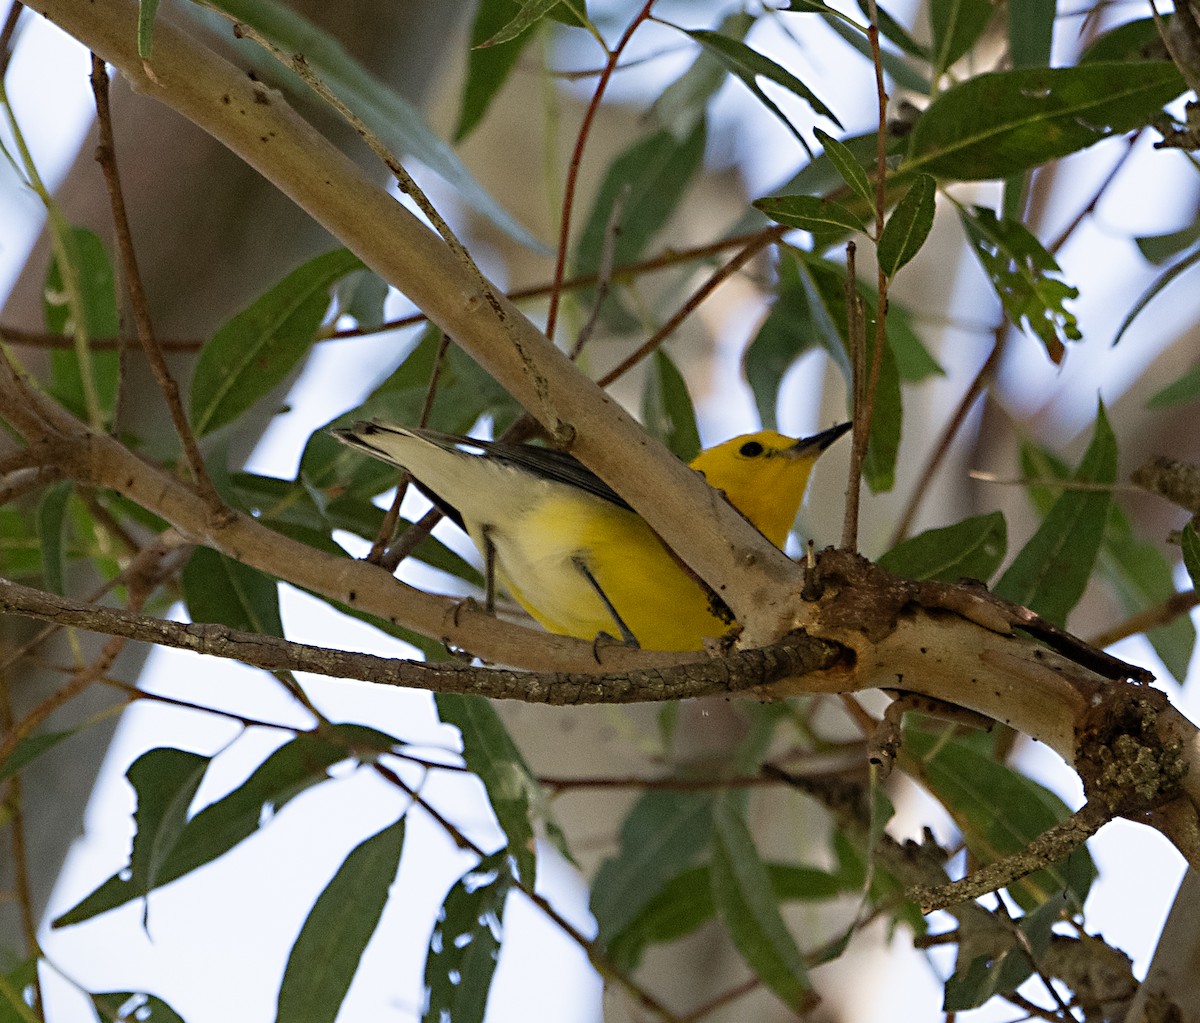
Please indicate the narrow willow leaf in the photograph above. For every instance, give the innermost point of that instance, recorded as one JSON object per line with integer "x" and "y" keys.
{"x": 528, "y": 13}
{"x": 1030, "y": 32}
{"x": 999, "y": 812}
{"x": 667, "y": 411}
{"x": 686, "y": 903}
{"x": 1156, "y": 288}
{"x": 464, "y": 947}
{"x": 257, "y": 348}
{"x": 644, "y": 184}
{"x": 165, "y": 782}
{"x": 848, "y": 167}
{"x": 908, "y": 226}
{"x": 133, "y": 1007}
{"x": 809, "y": 213}
{"x": 993, "y": 125}
{"x": 488, "y": 63}
{"x": 1051, "y": 571}
{"x": 663, "y": 834}
{"x": 1134, "y": 40}
{"x": 20, "y": 551}
{"x": 52, "y": 524}
{"x": 146, "y": 11}
{"x": 513, "y": 791}
{"x": 99, "y": 372}
{"x": 290, "y": 770}
{"x": 895, "y": 33}
{"x": 957, "y": 26}
{"x": 741, "y": 891}
{"x": 221, "y": 590}
{"x": 388, "y": 114}
{"x": 1190, "y": 541}
{"x": 683, "y": 104}
{"x": 1159, "y": 248}
{"x": 27, "y": 750}
{"x": 749, "y": 65}
{"x": 325, "y": 956}
{"x": 971, "y": 549}
{"x": 1025, "y": 278}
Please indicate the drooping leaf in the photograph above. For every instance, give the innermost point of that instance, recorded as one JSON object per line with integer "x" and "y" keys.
{"x": 749, "y": 65}
{"x": 73, "y": 373}
{"x": 527, "y": 14}
{"x": 667, "y": 411}
{"x": 1133, "y": 40}
{"x": 221, "y": 590}
{"x": 644, "y": 184}
{"x": 52, "y": 525}
{"x": 255, "y": 350}
{"x": 490, "y": 60}
{"x": 664, "y": 833}
{"x": 29, "y": 749}
{"x": 133, "y": 1007}
{"x": 957, "y": 26}
{"x": 388, "y": 114}
{"x": 165, "y": 781}
{"x": 464, "y": 947}
{"x": 1030, "y": 32}
{"x": 999, "y": 811}
{"x": 896, "y": 33}
{"x": 290, "y": 770}
{"x": 1025, "y": 278}
{"x": 992, "y": 125}
{"x": 1159, "y": 284}
{"x": 1051, "y": 571}
{"x": 1160, "y": 248}
{"x": 908, "y": 226}
{"x": 742, "y": 894}
{"x": 325, "y": 956}
{"x": 686, "y": 903}
{"x": 684, "y": 103}
{"x": 971, "y": 549}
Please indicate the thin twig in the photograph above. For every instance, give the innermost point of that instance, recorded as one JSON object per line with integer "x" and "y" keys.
{"x": 1160, "y": 614}
{"x": 106, "y": 156}
{"x": 612, "y": 231}
{"x": 856, "y": 338}
{"x": 585, "y": 128}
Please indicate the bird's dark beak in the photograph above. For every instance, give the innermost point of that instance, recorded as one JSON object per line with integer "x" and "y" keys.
{"x": 818, "y": 442}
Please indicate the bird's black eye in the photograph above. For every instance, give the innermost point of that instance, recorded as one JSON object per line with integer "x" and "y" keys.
{"x": 751, "y": 449}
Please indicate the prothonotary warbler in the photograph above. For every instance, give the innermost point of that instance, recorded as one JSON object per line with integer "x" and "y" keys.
{"x": 570, "y": 550}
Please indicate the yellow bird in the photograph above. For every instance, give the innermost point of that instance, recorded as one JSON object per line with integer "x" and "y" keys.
{"x": 570, "y": 550}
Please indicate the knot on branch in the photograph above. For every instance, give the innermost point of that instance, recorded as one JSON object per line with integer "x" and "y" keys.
{"x": 1123, "y": 757}
{"x": 857, "y": 596}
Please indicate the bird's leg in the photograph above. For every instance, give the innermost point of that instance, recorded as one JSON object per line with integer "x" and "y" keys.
{"x": 489, "y": 571}
{"x": 626, "y": 633}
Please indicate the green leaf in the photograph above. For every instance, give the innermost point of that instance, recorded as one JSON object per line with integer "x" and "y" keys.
{"x": 667, "y": 411}
{"x": 52, "y": 523}
{"x": 290, "y": 770}
{"x": 513, "y": 791}
{"x": 325, "y": 956}
{"x": 683, "y": 103}
{"x": 809, "y": 213}
{"x": 1025, "y": 278}
{"x": 464, "y": 947}
{"x": 999, "y": 812}
{"x": 1133, "y": 40}
{"x": 847, "y": 165}
{"x": 388, "y": 114}
{"x": 255, "y": 351}
{"x": 1051, "y": 571}
{"x": 663, "y": 834}
{"x": 20, "y": 552}
{"x": 647, "y": 180}
{"x": 146, "y": 11}
{"x": 133, "y": 1007}
{"x": 957, "y": 26}
{"x": 896, "y": 33}
{"x": 971, "y": 549}
{"x": 908, "y": 226}
{"x": 361, "y": 296}
{"x": 528, "y": 13}
{"x": 18, "y": 991}
{"x": 1190, "y": 542}
{"x": 29, "y": 749}
{"x": 165, "y": 782}
{"x": 993, "y": 125}
{"x": 913, "y": 361}
{"x": 686, "y": 903}
{"x": 488, "y": 64}
{"x": 1160, "y": 283}
{"x": 220, "y": 590}
{"x": 1030, "y": 32}
{"x": 749, "y": 65}
{"x": 742, "y": 893}
{"x": 99, "y": 371}
{"x": 1159, "y": 248}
